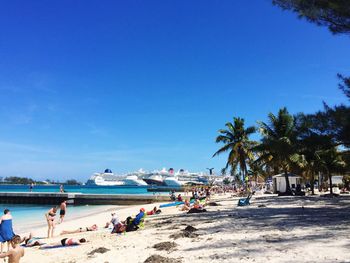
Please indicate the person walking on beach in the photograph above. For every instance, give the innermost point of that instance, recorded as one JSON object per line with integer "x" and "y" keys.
{"x": 50, "y": 218}
{"x": 16, "y": 252}
{"x": 61, "y": 189}
{"x": 6, "y": 230}
{"x": 63, "y": 209}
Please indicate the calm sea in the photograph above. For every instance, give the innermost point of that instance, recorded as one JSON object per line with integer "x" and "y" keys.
{"x": 78, "y": 189}
{"x": 26, "y": 217}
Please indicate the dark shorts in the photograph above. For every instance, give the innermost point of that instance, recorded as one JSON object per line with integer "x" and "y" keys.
{"x": 62, "y": 212}
{"x": 63, "y": 241}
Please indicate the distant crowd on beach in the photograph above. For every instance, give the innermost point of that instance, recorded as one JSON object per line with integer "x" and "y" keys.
{"x": 194, "y": 203}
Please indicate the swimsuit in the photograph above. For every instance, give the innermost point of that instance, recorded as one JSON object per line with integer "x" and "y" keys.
{"x": 62, "y": 212}
{"x": 67, "y": 242}
{"x": 33, "y": 240}
{"x": 51, "y": 216}
{"x": 63, "y": 241}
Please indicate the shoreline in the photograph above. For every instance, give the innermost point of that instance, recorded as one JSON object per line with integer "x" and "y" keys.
{"x": 39, "y": 224}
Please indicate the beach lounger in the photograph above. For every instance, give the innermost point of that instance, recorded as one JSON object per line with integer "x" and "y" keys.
{"x": 245, "y": 201}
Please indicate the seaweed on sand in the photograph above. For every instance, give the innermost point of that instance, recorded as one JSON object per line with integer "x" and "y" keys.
{"x": 167, "y": 246}
{"x": 187, "y": 232}
{"x": 100, "y": 250}
{"x": 160, "y": 259}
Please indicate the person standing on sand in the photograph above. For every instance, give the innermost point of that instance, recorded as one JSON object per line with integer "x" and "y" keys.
{"x": 6, "y": 230}
{"x": 16, "y": 252}
{"x": 50, "y": 218}
{"x": 63, "y": 209}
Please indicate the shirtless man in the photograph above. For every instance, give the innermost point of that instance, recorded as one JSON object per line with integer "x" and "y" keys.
{"x": 63, "y": 209}
{"x": 16, "y": 253}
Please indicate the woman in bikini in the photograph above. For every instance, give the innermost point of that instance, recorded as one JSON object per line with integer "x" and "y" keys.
{"x": 65, "y": 242}
{"x": 72, "y": 241}
{"x": 80, "y": 229}
{"x": 50, "y": 218}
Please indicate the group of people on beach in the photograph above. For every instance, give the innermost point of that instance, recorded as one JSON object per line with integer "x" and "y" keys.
{"x": 195, "y": 204}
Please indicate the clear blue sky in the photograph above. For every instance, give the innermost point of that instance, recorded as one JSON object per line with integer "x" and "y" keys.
{"x": 88, "y": 85}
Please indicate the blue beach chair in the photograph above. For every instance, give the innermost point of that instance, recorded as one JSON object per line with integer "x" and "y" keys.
{"x": 245, "y": 201}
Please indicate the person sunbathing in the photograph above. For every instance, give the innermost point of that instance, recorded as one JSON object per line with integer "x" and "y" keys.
{"x": 65, "y": 242}
{"x": 31, "y": 241}
{"x": 186, "y": 206}
{"x": 154, "y": 211}
{"x": 80, "y": 229}
{"x": 16, "y": 252}
{"x": 197, "y": 208}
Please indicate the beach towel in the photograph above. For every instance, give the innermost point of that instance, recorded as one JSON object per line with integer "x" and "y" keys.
{"x": 58, "y": 246}
{"x": 6, "y": 231}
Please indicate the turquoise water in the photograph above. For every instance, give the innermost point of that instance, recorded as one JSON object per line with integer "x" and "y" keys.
{"x": 78, "y": 189}
{"x": 27, "y": 217}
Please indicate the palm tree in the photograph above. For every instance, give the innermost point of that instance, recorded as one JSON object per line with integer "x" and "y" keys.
{"x": 309, "y": 144}
{"x": 256, "y": 170}
{"x": 236, "y": 140}
{"x": 332, "y": 162}
{"x": 277, "y": 148}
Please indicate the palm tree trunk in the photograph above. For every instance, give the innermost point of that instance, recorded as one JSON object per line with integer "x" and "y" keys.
{"x": 330, "y": 183}
{"x": 288, "y": 190}
{"x": 312, "y": 181}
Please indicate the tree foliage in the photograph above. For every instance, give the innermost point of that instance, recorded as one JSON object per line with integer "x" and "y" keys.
{"x": 334, "y": 14}
{"x": 344, "y": 85}
{"x": 18, "y": 180}
{"x": 277, "y": 147}
{"x": 236, "y": 141}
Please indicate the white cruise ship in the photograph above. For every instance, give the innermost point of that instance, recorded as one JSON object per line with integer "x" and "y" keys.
{"x": 107, "y": 178}
{"x": 133, "y": 180}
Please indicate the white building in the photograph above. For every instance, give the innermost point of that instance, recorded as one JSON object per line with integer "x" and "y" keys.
{"x": 279, "y": 182}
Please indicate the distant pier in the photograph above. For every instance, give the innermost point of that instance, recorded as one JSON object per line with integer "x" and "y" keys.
{"x": 79, "y": 199}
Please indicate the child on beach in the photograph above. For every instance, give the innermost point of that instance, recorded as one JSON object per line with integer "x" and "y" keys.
{"x": 16, "y": 252}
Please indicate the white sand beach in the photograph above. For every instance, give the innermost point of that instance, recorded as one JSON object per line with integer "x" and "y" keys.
{"x": 271, "y": 229}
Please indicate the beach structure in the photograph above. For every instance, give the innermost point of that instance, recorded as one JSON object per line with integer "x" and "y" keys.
{"x": 79, "y": 199}
{"x": 279, "y": 182}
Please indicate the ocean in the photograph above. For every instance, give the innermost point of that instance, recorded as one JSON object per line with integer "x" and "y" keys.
{"x": 84, "y": 189}
{"x": 26, "y": 217}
